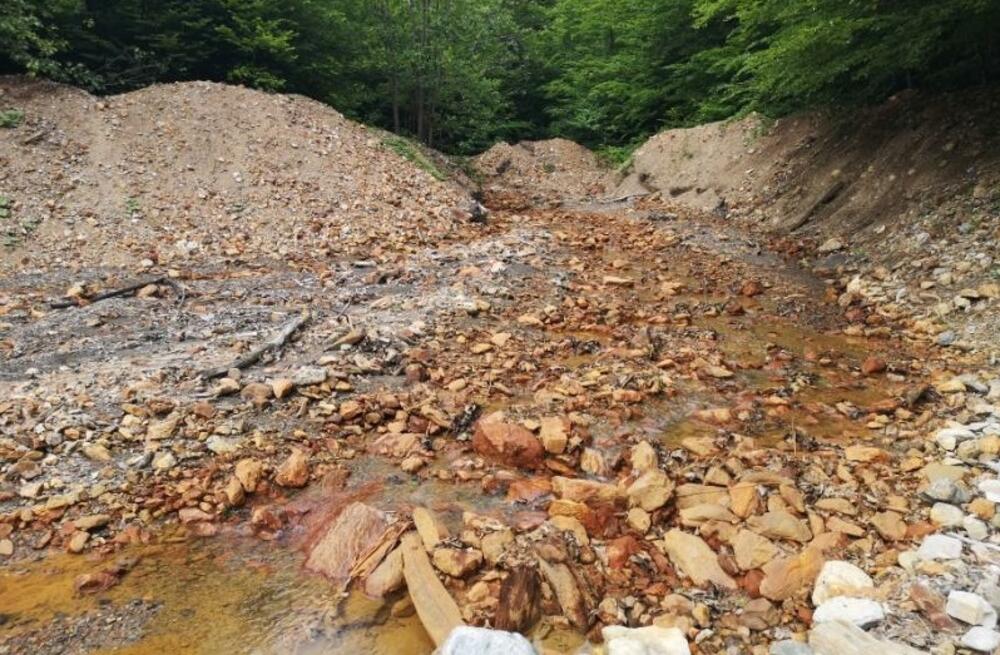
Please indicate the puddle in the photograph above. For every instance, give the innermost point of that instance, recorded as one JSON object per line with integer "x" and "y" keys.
{"x": 225, "y": 595}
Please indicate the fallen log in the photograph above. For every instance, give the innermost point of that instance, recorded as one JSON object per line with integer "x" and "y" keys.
{"x": 436, "y": 608}
{"x": 64, "y": 303}
{"x": 252, "y": 357}
{"x": 520, "y": 598}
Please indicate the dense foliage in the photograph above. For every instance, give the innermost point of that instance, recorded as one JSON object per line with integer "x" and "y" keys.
{"x": 459, "y": 74}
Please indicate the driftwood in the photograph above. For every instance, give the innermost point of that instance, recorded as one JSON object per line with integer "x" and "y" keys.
{"x": 252, "y": 357}
{"x": 435, "y": 606}
{"x": 64, "y": 303}
{"x": 520, "y": 597}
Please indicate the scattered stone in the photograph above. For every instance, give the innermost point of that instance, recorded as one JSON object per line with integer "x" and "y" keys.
{"x": 509, "y": 444}
{"x": 692, "y": 556}
{"x": 651, "y": 640}
{"x": 938, "y": 546}
{"x": 971, "y": 608}
{"x": 981, "y": 639}
{"x": 862, "y": 612}
{"x": 838, "y": 578}
{"x": 294, "y": 471}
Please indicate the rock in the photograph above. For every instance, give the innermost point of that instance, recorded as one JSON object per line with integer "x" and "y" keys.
{"x": 786, "y": 576}
{"x": 789, "y": 647}
{"x": 944, "y": 490}
{"x": 564, "y": 586}
{"x": 931, "y": 605}
{"x": 890, "y": 525}
{"x": 971, "y": 608}
{"x": 249, "y": 472}
{"x": 457, "y": 562}
{"x": 494, "y": 544}
{"x": 982, "y": 639}
{"x": 226, "y": 387}
{"x": 832, "y": 244}
{"x": 520, "y": 598}
{"x": 554, "y": 434}
{"x": 946, "y": 338}
{"x": 692, "y": 556}
{"x": 862, "y": 612}
{"x": 308, "y": 376}
{"x": 466, "y": 640}
{"x": 638, "y": 519}
{"x": 164, "y": 461}
{"x": 257, "y": 393}
{"x": 838, "y": 578}
{"x": 427, "y": 527}
{"x": 585, "y": 491}
{"x": 350, "y": 410}
{"x": 160, "y": 430}
{"x": 991, "y": 489}
{"x": 96, "y": 452}
{"x": 281, "y": 387}
{"x": 753, "y": 551}
{"x": 780, "y": 525}
{"x": 643, "y": 457}
{"x": 946, "y": 516}
{"x": 92, "y": 522}
{"x": 294, "y": 471}
{"x": 651, "y": 490}
{"x": 235, "y": 494}
{"x": 6, "y": 547}
{"x": 387, "y": 576}
{"x": 744, "y": 499}
{"x": 949, "y": 438}
{"x": 873, "y": 366}
{"x": 842, "y": 638}
{"x": 355, "y": 534}
{"x": 939, "y": 546}
{"x": 506, "y": 443}
{"x": 975, "y": 528}
{"x": 77, "y": 541}
{"x": 189, "y": 515}
{"x": 221, "y": 445}
{"x": 651, "y": 640}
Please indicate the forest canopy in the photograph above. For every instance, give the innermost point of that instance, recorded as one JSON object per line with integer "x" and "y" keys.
{"x": 461, "y": 74}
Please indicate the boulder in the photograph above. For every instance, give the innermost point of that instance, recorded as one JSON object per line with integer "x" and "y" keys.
{"x": 506, "y": 443}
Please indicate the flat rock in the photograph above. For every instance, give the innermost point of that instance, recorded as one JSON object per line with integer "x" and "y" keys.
{"x": 467, "y": 640}
{"x": 784, "y": 577}
{"x": 843, "y": 638}
{"x": 651, "y": 640}
{"x": 695, "y": 559}
{"x": 752, "y": 551}
{"x": 780, "y": 525}
{"x": 981, "y": 639}
{"x": 354, "y": 534}
{"x": 294, "y": 471}
{"x": 939, "y": 546}
{"x": 839, "y": 578}
{"x": 862, "y": 612}
{"x": 971, "y": 608}
{"x": 651, "y": 490}
{"x": 789, "y": 647}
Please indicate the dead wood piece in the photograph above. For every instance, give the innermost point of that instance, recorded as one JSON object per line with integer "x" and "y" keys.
{"x": 64, "y": 303}
{"x": 354, "y": 544}
{"x": 252, "y": 357}
{"x": 828, "y": 196}
{"x": 564, "y": 586}
{"x": 520, "y": 596}
{"x": 436, "y": 608}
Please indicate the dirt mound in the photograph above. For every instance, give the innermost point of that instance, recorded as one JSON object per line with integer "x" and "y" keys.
{"x": 824, "y": 174}
{"x": 900, "y": 203}
{"x": 556, "y": 168}
{"x": 187, "y": 172}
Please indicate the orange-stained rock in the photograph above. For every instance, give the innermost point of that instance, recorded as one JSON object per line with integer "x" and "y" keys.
{"x": 505, "y": 443}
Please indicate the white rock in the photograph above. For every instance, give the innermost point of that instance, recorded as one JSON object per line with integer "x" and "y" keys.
{"x": 946, "y": 515}
{"x": 651, "y": 640}
{"x": 971, "y": 608}
{"x": 948, "y": 438}
{"x": 975, "y": 528}
{"x": 841, "y": 638}
{"x": 466, "y": 640}
{"x": 991, "y": 489}
{"x": 981, "y": 639}
{"x": 862, "y": 612}
{"x": 938, "y": 546}
{"x": 839, "y": 578}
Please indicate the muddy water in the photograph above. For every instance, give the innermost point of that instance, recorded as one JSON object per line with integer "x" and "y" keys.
{"x": 225, "y": 595}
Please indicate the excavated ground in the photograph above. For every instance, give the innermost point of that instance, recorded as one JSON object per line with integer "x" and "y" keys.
{"x": 592, "y": 414}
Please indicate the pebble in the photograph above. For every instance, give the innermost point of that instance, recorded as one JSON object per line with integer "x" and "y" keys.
{"x": 975, "y": 528}
{"x": 938, "y": 546}
{"x": 947, "y": 516}
{"x": 862, "y": 612}
{"x": 981, "y": 639}
{"x": 971, "y": 608}
{"x": 990, "y": 489}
